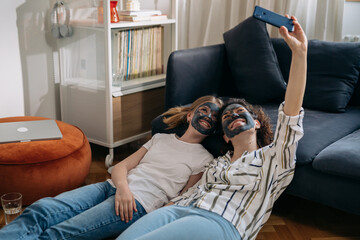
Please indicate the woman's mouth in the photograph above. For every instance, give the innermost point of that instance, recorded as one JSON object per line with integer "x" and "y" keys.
{"x": 237, "y": 123}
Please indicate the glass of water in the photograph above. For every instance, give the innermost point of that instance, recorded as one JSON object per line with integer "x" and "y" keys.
{"x": 12, "y": 204}
{"x": 118, "y": 78}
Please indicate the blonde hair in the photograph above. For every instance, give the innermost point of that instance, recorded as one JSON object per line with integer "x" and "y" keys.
{"x": 178, "y": 115}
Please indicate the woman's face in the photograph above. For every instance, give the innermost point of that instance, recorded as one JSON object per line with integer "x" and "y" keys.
{"x": 236, "y": 119}
{"x": 205, "y": 117}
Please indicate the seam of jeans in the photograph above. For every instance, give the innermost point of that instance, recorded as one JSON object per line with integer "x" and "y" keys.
{"x": 26, "y": 233}
{"x": 39, "y": 226}
{"x": 102, "y": 224}
{"x": 46, "y": 218}
{"x": 91, "y": 229}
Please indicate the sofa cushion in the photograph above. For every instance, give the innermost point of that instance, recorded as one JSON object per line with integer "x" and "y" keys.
{"x": 283, "y": 54}
{"x": 253, "y": 63}
{"x": 333, "y": 71}
{"x": 321, "y": 129}
{"x": 191, "y": 70}
{"x": 341, "y": 158}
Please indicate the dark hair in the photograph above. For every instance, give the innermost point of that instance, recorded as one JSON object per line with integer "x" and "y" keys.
{"x": 264, "y": 135}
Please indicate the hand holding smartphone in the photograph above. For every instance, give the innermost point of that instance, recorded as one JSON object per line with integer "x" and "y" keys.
{"x": 272, "y": 18}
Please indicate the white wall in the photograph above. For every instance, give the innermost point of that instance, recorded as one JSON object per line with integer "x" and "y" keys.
{"x": 27, "y": 84}
{"x": 11, "y": 86}
{"x": 351, "y": 19}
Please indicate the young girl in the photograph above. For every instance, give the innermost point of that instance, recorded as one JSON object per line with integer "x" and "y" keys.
{"x": 146, "y": 180}
{"x": 234, "y": 198}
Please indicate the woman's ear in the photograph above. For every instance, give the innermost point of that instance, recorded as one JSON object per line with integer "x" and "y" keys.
{"x": 257, "y": 124}
{"x": 189, "y": 117}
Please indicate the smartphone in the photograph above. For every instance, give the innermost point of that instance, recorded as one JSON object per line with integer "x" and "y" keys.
{"x": 272, "y": 18}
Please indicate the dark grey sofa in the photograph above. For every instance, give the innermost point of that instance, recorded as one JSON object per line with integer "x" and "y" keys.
{"x": 328, "y": 156}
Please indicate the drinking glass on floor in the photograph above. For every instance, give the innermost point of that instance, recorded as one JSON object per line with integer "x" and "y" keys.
{"x": 11, "y": 203}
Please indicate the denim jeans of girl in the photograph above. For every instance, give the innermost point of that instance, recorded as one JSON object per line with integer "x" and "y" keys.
{"x": 84, "y": 213}
{"x": 179, "y": 223}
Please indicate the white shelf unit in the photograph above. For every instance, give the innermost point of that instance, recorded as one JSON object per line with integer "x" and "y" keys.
{"x": 88, "y": 98}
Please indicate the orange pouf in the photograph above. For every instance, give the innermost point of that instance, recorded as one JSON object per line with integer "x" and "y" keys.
{"x": 44, "y": 168}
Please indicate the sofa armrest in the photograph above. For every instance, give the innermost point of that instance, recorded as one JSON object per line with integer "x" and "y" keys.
{"x": 193, "y": 73}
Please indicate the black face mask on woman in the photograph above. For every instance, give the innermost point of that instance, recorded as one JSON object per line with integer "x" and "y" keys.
{"x": 205, "y": 114}
{"x": 232, "y": 113}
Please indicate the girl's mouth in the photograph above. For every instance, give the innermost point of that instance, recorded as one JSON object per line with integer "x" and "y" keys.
{"x": 205, "y": 124}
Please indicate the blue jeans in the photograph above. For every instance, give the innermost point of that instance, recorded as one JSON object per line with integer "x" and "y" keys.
{"x": 179, "y": 223}
{"x": 84, "y": 213}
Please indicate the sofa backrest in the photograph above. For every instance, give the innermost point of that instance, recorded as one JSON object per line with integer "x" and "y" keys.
{"x": 193, "y": 73}
{"x": 327, "y": 65}
{"x": 283, "y": 54}
{"x": 197, "y": 72}
{"x": 227, "y": 87}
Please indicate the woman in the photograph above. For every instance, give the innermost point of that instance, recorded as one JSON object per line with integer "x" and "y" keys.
{"x": 234, "y": 198}
{"x": 144, "y": 181}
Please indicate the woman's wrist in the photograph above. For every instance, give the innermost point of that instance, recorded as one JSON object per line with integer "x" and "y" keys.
{"x": 121, "y": 185}
{"x": 301, "y": 50}
{"x": 300, "y": 53}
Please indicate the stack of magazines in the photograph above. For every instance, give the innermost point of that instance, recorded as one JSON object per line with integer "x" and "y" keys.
{"x": 138, "y": 52}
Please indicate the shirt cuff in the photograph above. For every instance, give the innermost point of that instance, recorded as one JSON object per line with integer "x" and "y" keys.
{"x": 291, "y": 120}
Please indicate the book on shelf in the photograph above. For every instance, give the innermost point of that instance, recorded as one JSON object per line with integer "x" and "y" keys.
{"x": 140, "y": 13}
{"x": 143, "y": 18}
{"x": 159, "y": 17}
{"x": 138, "y": 53}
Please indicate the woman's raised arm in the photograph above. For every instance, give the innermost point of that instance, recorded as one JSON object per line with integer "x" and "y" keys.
{"x": 297, "y": 42}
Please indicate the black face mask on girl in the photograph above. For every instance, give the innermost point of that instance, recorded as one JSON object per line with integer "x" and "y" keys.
{"x": 235, "y": 112}
{"x": 204, "y": 119}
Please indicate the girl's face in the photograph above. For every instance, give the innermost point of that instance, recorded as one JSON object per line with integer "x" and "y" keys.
{"x": 205, "y": 117}
{"x": 236, "y": 119}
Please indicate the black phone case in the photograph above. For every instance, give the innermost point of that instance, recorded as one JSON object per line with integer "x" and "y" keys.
{"x": 272, "y": 18}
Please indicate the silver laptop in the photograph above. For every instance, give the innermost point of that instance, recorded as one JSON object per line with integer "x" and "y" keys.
{"x": 29, "y": 131}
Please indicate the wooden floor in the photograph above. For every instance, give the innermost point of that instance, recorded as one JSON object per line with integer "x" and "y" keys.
{"x": 292, "y": 218}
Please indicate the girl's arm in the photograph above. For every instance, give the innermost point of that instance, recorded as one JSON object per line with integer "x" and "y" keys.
{"x": 124, "y": 199}
{"x": 192, "y": 180}
{"x": 189, "y": 188}
{"x": 297, "y": 42}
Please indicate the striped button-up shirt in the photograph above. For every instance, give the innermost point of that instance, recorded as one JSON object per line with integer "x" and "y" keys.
{"x": 244, "y": 191}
